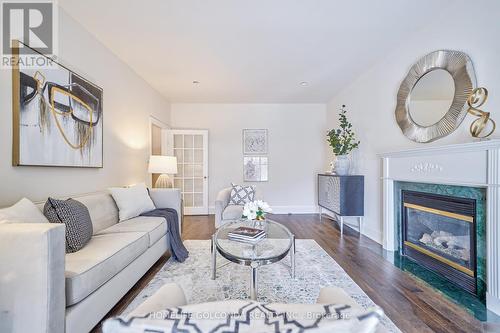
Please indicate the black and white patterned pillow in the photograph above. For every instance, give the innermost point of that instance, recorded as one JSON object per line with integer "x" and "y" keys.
{"x": 75, "y": 216}
{"x": 238, "y": 316}
{"x": 241, "y": 195}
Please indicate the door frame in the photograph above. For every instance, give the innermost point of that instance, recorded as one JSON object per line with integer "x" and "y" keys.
{"x": 156, "y": 122}
{"x": 168, "y": 137}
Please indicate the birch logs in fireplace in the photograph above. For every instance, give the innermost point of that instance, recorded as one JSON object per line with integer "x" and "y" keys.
{"x": 456, "y": 246}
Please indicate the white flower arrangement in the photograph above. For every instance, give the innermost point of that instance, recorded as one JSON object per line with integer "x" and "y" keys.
{"x": 256, "y": 210}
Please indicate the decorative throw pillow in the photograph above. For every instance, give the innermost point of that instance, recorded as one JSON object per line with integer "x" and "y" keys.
{"x": 75, "y": 216}
{"x": 240, "y": 195}
{"x": 240, "y": 316}
{"x": 24, "y": 211}
{"x": 132, "y": 201}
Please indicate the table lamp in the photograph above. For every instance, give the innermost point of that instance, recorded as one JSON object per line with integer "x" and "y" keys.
{"x": 163, "y": 165}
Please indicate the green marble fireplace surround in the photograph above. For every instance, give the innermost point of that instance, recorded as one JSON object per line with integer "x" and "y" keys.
{"x": 467, "y": 170}
{"x": 475, "y": 304}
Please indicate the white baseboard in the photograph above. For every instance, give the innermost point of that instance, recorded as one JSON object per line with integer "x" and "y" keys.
{"x": 375, "y": 235}
{"x": 493, "y": 303}
{"x": 295, "y": 210}
{"x": 285, "y": 210}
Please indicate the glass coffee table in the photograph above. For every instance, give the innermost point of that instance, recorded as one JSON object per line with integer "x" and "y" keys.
{"x": 278, "y": 243}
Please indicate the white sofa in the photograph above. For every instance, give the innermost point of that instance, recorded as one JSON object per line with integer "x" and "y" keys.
{"x": 224, "y": 211}
{"x": 43, "y": 289}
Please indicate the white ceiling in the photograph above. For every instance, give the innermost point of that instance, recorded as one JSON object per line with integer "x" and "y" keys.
{"x": 251, "y": 51}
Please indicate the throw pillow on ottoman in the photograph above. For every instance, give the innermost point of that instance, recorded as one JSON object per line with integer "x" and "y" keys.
{"x": 240, "y": 316}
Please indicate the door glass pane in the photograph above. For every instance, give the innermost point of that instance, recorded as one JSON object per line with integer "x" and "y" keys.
{"x": 198, "y": 156}
{"x": 188, "y": 199}
{"x": 178, "y": 142}
{"x": 188, "y": 141}
{"x": 188, "y": 170}
{"x": 188, "y": 156}
{"x": 198, "y": 185}
{"x": 198, "y": 170}
{"x": 188, "y": 185}
{"x": 179, "y": 153}
{"x": 198, "y": 200}
{"x": 198, "y": 141}
{"x": 188, "y": 148}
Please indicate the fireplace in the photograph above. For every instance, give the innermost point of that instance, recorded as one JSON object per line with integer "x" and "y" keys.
{"x": 466, "y": 170}
{"x": 439, "y": 232}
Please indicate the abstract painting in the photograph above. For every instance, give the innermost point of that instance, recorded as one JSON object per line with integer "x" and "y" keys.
{"x": 254, "y": 141}
{"x": 57, "y": 118}
{"x": 255, "y": 169}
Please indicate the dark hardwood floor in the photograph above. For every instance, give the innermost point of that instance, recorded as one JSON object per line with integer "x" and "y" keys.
{"x": 412, "y": 305}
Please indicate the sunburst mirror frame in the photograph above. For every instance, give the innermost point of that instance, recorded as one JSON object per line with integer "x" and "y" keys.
{"x": 460, "y": 67}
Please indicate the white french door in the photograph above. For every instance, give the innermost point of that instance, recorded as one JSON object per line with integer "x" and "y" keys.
{"x": 191, "y": 149}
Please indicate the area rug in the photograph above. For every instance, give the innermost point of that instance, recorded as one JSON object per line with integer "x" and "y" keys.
{"x": 314, "y": 269}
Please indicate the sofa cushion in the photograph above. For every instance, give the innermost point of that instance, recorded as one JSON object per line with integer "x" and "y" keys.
{"x": 102, "y": 209}
{"x": 101, "y": 259}
{"x": 24, "y": 211}
{"x": 232, "y": 212}
{"x": 155, "y": 227}
{"x": 132, "y": 201}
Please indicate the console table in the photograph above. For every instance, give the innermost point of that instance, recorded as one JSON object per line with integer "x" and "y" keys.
{"x": 341, "y": 195}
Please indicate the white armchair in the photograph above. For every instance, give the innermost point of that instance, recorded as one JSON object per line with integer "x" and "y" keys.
{"x": 224, "y": 211}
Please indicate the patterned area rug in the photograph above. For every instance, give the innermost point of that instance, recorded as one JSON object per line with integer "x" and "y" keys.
{"x": 314, "y": 269}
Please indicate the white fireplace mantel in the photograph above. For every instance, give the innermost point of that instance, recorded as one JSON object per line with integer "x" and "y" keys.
{"x": 468, "y": 164}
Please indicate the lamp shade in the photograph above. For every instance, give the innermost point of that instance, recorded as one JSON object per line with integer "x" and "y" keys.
{"x": 163, "y": 164}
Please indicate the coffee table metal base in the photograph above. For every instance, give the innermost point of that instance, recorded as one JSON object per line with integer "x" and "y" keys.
{"x": 253, "y": 265}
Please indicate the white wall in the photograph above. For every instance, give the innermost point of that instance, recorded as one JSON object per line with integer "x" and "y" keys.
{"x": 128, "y": 103}
{"x": 371, "y": 99}
{"x": 296, "y": 147}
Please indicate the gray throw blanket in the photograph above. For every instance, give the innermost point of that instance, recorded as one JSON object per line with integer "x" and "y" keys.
{"x": 177, "y": 248}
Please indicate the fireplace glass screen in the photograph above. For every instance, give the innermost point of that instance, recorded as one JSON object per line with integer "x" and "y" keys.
{"x": 439, "y": 233}
{"x": 446, "y": 236}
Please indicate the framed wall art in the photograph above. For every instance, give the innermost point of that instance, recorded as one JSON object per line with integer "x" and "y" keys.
{"x": 57, "y": 118}
{"x": 255, "y": 168}
{"x": 254, "y": 141}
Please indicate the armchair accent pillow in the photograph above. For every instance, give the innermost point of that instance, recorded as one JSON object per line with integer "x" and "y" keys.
{"x": 238, "y": 316}
{"x": 132, "y": 201}
{"x": 24, "y": 211}
{"x": 240, "y": 195}
{"x": 75, "y": 216}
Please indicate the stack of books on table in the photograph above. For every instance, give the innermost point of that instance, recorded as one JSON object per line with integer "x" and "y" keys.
{"x": 246, "y": 234}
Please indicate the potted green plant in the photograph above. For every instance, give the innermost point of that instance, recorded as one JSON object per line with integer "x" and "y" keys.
{"x": 343, "y": 141}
